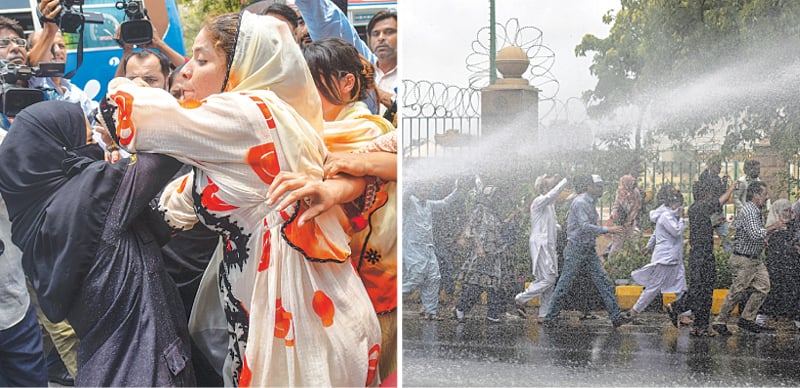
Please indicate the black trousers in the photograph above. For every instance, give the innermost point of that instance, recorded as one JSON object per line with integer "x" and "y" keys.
{"x": 702, "y": 276}
{"x": 470, "y": 294}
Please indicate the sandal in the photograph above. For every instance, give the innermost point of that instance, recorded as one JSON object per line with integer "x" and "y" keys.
{"x": 673, "y": 315}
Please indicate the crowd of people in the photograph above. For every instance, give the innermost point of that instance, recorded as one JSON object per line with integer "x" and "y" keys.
{"x": 763, "y": 242}
{"x": 228, "y": 219}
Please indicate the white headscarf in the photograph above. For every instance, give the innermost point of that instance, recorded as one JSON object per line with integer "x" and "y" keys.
{"x": 267, "y": 57}
{"x": 776, "y": 211}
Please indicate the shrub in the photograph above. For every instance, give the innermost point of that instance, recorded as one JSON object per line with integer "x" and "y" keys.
{"x": 629, "y": 259}
{"x": 724, "y": 276}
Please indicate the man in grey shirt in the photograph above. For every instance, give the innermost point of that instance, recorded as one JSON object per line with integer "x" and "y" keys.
{"x": 581, "y": 251}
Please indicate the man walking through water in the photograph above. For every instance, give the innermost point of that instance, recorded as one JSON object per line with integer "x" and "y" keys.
{"x": 581, "y": 252}
{"x": 543, "y": 243}
{"x": 747, "y": 267}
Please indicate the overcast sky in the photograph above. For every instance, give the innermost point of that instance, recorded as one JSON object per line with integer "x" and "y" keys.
{"x": 436, "y": 36}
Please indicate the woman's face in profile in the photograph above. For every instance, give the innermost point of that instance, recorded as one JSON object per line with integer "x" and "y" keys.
{"x": 204, "y": 74}
{"x": 343, "y": 86}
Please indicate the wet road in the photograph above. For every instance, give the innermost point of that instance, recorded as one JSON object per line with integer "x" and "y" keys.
{"x": 582, "y": 353}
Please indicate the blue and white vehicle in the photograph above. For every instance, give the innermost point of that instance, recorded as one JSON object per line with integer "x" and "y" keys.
{"x": 101, "y": 53}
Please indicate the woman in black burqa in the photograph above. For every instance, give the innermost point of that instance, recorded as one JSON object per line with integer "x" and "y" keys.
{"x": 85, "y": 229}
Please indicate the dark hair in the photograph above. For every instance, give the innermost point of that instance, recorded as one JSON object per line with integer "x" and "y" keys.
{"x": 664, "y": 192}
{"x": 283, "y": 11}
{"x": 224, "y": 30}
{"x": 331, "y": 59}
{"x": 173, "y": 74}
{"x": 12, "y": 25}
{"x": 674, "y": 197}
{"x": 378, "y": 17}
{"x": 142, "y": 54}
{"x": 750, "y": 165}
{"x": 754, "y": 188}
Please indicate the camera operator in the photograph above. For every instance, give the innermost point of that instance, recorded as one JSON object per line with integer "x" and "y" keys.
{"x": 13, "y": 49}
{"x": 175, "y": 58}
{"x": 56, "y": 88}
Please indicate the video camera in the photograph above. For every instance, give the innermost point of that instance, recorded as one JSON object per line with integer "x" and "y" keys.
{"x": 137, "y": 29}
{"x": 70, "y": 20}
{"x": 13, "y": 99}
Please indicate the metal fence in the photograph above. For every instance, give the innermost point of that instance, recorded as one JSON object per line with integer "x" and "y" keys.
{"x": 440, "y": 120}
{"x": 433, "y": 110}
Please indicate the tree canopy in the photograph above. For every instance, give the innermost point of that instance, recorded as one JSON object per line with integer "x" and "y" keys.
{"x": 194, "y": 12}
{"x": 691, "y": 67}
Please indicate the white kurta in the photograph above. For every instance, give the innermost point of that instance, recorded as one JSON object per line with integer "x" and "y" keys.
{"x": 544, "y": 259}
{"x": 665, "y": 271}
{"x": 544, "y": 229}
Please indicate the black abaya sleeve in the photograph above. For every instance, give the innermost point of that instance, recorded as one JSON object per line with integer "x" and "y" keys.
{"x": 145, "y": 177}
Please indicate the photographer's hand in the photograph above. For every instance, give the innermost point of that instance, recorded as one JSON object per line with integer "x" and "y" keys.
{"x": 50, "y": 9}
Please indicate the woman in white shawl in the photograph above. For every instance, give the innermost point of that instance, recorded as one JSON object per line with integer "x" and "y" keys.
{"x": 665, "y": 273}
{"x": 297, "y": 312}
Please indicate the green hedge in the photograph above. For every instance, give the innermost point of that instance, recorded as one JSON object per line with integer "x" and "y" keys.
{"x": 630, "y": 259}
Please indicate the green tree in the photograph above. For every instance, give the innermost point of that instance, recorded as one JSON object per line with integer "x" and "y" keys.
{"x": 194, "y": 12}
{"x": 657, "y": 46}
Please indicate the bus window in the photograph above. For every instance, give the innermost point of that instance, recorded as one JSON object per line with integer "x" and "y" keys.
{"x": 19, "y": 10}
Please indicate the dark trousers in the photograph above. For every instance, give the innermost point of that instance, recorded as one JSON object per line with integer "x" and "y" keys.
{"x": 22, "y": 361}
{"x": 448, "y": 282}
{"x": 470, "y": 294}
{"x": 576, "y": 259}
{"x": 702, "y": 276}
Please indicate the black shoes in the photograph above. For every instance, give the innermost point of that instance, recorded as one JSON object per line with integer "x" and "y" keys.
{"x": 62, "y": 378}
{"x": 622, "y": 320}
{"x": 721, "y": 329}
{"x": 753, "y": 327}
{"x": 673, "y": 316}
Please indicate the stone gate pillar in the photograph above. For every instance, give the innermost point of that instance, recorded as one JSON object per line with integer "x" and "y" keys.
{"x": 511, "y": 104}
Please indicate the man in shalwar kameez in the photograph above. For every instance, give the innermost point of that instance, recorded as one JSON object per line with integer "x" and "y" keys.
{"x": 544, "y": 227}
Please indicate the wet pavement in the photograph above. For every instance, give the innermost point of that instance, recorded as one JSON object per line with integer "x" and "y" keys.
{"x": 650, "y": 352}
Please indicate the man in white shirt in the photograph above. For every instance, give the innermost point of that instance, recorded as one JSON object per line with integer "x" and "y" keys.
{"x": 543, "y": 243}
